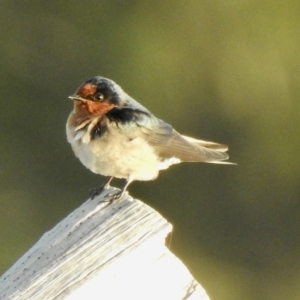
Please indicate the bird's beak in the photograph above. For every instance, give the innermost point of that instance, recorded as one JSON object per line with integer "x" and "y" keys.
{"x": 76, "y": 98}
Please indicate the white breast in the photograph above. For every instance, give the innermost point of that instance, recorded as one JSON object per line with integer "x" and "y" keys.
{"x": 115, "y": 155}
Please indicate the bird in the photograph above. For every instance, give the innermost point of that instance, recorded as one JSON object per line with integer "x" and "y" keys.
{"x": 115, "y": 136}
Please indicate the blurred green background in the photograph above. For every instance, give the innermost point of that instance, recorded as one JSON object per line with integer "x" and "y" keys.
{"x": 226, "y": 71}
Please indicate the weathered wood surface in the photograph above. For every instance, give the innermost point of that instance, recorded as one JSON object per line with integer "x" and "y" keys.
{"x": 102, "y": 251}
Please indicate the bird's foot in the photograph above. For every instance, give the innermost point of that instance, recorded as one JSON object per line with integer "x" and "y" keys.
{"x": 116, "y": 196}
{"x": 98, "y": 191}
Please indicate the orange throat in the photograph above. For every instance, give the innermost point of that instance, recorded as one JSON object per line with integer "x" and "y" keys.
{"x": 88, "y": 107}
{"x": 84, "y": 110}
{"x": 93, "y": 108}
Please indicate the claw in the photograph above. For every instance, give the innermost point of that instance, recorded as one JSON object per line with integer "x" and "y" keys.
{"x": 98, "y": 191}
{"x": 115, "y": 196}
{"x": 95, "y": 192}
{"x": 118, "y": 195}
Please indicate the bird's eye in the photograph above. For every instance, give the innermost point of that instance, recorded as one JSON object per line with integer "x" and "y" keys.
{"x": 99, "y": 97}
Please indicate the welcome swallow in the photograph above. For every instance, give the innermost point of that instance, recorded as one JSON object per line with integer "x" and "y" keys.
{"x": 114, "y": 135}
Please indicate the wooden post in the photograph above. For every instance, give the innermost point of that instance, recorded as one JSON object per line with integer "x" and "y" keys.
{"x": 102, "y": 251}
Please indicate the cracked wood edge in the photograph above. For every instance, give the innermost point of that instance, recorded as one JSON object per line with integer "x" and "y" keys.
{"x": 96, "y": 245}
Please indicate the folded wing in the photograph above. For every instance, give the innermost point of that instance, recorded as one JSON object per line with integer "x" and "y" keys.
{"x": 169, "y": 143}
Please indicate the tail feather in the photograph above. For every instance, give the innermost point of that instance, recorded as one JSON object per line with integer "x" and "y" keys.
{"x": 206, "y": 144}
{"x": 216, "y": 151}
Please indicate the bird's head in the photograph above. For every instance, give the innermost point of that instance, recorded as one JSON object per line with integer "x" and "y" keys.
{"x": 98, "y": 95}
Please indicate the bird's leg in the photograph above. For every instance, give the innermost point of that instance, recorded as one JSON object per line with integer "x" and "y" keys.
{"x": 119, "y": 194}
{"x": 97, "y": 191}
